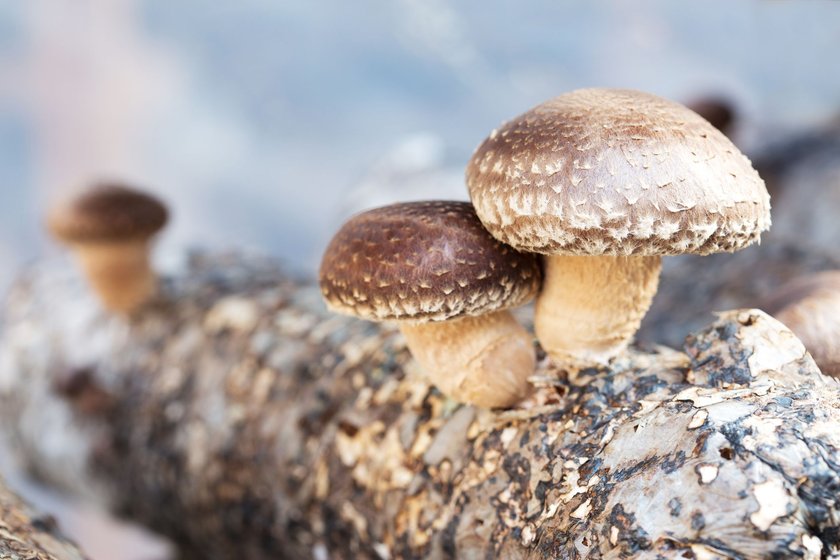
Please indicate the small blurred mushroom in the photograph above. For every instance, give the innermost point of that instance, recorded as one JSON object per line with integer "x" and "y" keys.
{"x": 605, "y": 182}
{"x": 434, "y": 269}
{"x": 717, "y": 110}
{"x": 109, "y": 229}
{"x": 810, "y": 307}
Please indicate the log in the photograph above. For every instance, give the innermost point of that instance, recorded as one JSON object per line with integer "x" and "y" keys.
{"x": 27, "y": 535}
{"x": 238, "y": 417}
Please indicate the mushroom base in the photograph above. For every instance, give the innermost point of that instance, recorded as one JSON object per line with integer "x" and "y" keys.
{"x": 119, "y": 273}
{"x": 590, "y": 307}
{"x": 485, "y": 360}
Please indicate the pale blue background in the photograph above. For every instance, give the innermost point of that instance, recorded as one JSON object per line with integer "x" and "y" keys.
{"x": 264, "y": 122}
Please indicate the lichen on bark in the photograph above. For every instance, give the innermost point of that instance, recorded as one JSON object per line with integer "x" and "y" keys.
{"x": 238, "y": 417}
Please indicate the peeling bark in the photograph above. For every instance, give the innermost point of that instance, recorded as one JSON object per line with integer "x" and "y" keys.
{"x": 25, "y": 535}
{"x": 240, "y": 419}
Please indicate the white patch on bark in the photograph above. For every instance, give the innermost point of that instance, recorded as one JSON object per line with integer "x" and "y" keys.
{"x": 708, "y": 473}
{"x": 583, "y": 510}
{"x": 773, "y": 503}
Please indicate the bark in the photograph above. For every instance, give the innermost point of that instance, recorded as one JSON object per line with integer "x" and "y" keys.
{"x": 26, "y": 535}
{"x": 239, "y": 418}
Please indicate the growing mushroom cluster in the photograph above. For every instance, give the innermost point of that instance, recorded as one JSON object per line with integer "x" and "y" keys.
{"x": 574, "y": 203}
{"x": 601, "y": 183}
{"x": 271, "y": 412}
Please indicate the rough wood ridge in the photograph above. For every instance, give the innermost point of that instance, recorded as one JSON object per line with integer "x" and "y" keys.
{"x": 242, "y": 420}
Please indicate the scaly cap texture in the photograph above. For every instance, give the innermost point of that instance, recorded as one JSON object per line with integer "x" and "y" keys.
{"x": 423, "y": 261}
{"x": 616, "y": 172}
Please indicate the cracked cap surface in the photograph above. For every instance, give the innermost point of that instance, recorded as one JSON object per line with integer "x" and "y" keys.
{"x": 423, "y": 261}
{"x": 616, "y": 172}
{"x": 108, "y": 213}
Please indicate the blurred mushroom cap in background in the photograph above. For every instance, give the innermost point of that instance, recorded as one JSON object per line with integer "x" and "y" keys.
{"x": 810, "y": 307}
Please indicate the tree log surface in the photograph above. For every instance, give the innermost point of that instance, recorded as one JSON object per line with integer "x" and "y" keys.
{"x": 26, "y": 535}
{"x": 238, "y": 417}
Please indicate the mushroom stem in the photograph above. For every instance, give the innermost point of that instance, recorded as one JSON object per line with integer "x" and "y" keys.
{"x": 119, "y": 273}
{"x": 591, "y": 306}
{"x": 483, "y": 360}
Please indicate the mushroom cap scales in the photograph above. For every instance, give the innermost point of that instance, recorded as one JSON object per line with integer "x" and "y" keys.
{"x": 423, "y": 261}
{"x": 616, "y": 172}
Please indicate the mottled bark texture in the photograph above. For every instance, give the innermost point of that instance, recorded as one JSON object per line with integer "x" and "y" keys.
{"x": 26, "y": 535}
{"x": 242, "y": 420}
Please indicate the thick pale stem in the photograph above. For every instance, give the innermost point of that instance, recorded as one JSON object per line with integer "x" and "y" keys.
{"x": 119, "y": 273}
{"x": 485, "y": 360}
{"x": 590, "y": 307}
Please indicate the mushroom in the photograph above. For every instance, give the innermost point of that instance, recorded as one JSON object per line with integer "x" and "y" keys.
{"x": 434, "y": 269}
{"x": 109, "y": 228}
{"x": 603, "y": 183}
{"x": 719, "y": 111}
{"x": 810, "y": 307}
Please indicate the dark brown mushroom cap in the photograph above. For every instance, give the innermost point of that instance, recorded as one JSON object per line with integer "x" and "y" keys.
{"x": 108, "y": 213}
{"x": 423, "y": 261}
{"x": 616, "y": 172}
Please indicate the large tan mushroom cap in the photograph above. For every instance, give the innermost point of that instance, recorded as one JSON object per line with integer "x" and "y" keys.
{"x": 423, "y": 261}
{"x": 108, "y": 213}
{"x": 616, "y": 172}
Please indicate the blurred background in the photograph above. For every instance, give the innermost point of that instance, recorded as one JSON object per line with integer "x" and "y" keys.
{"x": 264, "y": 123}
